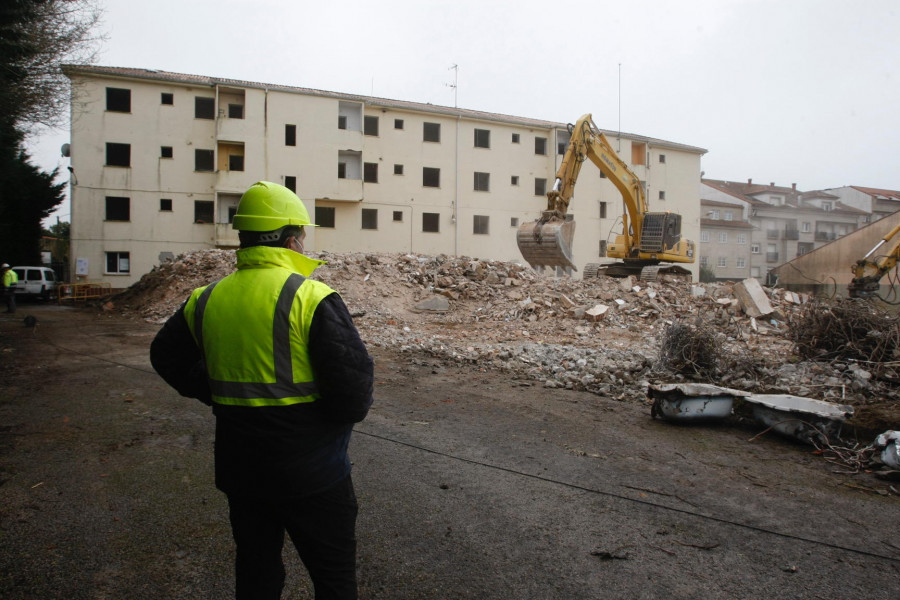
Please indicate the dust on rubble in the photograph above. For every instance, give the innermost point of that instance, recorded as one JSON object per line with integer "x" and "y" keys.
{"x": 601, "y": 335}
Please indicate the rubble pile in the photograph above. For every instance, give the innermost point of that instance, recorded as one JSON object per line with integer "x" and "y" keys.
{"x": 602, "y": 335}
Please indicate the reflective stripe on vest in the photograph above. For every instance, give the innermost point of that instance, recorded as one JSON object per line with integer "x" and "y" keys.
{"x": 284, "y": 390}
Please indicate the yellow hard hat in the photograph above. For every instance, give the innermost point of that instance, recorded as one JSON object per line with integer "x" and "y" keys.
{"x": 267, "y": 206}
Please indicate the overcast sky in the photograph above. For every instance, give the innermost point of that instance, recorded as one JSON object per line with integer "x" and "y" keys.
{"x": 784, "y": 91}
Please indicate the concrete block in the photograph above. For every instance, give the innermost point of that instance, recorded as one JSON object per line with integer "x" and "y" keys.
{"x": 753, "y": 298}
{"x": 597, "y": 313}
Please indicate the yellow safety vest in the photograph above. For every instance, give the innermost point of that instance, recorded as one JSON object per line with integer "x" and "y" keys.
{"x": 253, "y": 329}
{"x": 10, "y": 278}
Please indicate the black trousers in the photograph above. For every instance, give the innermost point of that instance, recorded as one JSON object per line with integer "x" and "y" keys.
{"x": 323, "y": 530}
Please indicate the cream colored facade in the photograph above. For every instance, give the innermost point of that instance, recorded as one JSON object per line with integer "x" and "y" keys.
{"x": 157, "y": 172}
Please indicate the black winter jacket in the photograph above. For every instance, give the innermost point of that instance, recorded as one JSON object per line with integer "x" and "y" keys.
{"x": 281, "y": 451}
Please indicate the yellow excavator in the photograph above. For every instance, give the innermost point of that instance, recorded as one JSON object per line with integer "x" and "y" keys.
{"x": 868, "y": 271}
{"x": 648, "y": 239}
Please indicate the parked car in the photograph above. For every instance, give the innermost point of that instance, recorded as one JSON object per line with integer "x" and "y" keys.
{"x": 36, "y": 282}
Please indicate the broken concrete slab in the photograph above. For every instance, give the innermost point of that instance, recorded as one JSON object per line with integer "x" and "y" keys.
{"x": 805, "y": 419}
{"x": 596, "y": 313}
{"x": 753, "y": 298}
{"x": 433, "y": 304}
{"x": 692, "y": 401}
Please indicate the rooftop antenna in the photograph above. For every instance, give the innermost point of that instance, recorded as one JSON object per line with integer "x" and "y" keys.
{"x": 454, "y": 84}
{"x": 619, "y": 137}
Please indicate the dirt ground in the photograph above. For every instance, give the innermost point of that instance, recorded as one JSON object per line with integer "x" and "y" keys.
{"x": 472, "y": 484}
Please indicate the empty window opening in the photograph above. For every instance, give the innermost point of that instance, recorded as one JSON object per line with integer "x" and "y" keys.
{"x": 204, "y": 108}
{"x": 431, "y": 132}
{"x": 235, "y": 111}
{"x": 167, "y": 98}
{"x": 370, "y": 218}
{"x": 514, "y": 180}
{"x": 540, "y": 146}
{"x": 482, "y": 182}
{"x": 290, "y": 182}
{"x": 118, "y": 155}
{"x": 398, "y": 123}
{"x": 118, "y": 100}
{"x": 290, "y": 135}
{"x": 370, "y": 172}
{"x": 398, "y": 216}
{"x": 431, "y": 222}
{"x": 203, "y": 211}
{"x": 515, "y": 138}
{"x": 325, "y": 216}
{"x": 431, "y": 177}
{"x": 638, "y": 153}
{"x": 118, "y": 208}
{"x": 482, "y": 138}
{"x": 480, "y": 224}
{"x": 370, "y": 126}
{"x": 540, "y": 186}
{"x": 166, "y": 152}
{"x": 204, "y": 160}
{"x": 165, "y": 204}
{"x": 398, "y": 169}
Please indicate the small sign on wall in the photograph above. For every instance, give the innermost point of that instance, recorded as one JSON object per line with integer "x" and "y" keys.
{"x": 81, "y": 266}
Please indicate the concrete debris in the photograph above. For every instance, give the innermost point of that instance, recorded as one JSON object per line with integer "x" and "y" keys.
{"x": 888, "y": 443}
{"x": 556, "y": 332}
{"x": 692, "y": 401}
{"x": 806, "y": 419}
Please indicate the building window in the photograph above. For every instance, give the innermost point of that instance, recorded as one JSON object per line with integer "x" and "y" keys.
{"x": 714, "y": 214}
{"x": 723, "y": 237}
{"x": 118, "y": 208}
{"x": 342, "y": 122}
{"x": 370, "y": 172}
{"x": 602, "y": 209}
{"x": 203, "y": 211}
{"x": 118, "y": 155}
{"x": 540, "y": 186}
{"x": 290, "y": 182}
{"x": 482, "y": 138}
{"x": 482, "y": 182}
{"x": 480, "y": 224}
{"x": 165, "y": 152}
{"x": 398, "y": 123}
{"x": 805, "y": 227}
{"x": 167, "y": 98}
{"x": 754, "y": 248}
{"x": 431, "y": 132}
{"x": 742, "y": 238}
{"x": 290, "y": 135}
{"x": 723, "y": 261}
{"x": 118, "y": 100}
{"x": 540, "y": 146}
{"x": 704, "y": 236}
{"x": 662, "y": 195}
{"x": 740, "y": 262}
{"x": 232, "y": 210}
{"x": 235, "y": 111}
{"x": 514, "y": 221}
{"x": 515, "y": 138}
{"x": 235, "y": 162}
{"x": 662, "y": 159}
{"x": 704, "y": 261}
{"x": 431, "y": 222}
{"x": 729, "y": 215}
{"x": 204, "y": 108}
{"x": 514, "y": 180}
{"x": 398, "y": 169}
{"x": 370, "y": 218}
{"x": 342, "y": 170}
{"x": 431, "y": 177}
{"x": 398, "y": 216}
{"x": 325, "y": 216}
{"x": 118, "y": 263}
{"x": 165, "y": 204}
{"x": 204, "y": 160}
{"x": 370, "y": 126}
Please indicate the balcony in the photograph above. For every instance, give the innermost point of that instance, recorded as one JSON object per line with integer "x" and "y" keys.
{"x": 825, "y": 236}
{"x": 771, "y": 257}
{"x": 772, "y": 234}
{"x": 792, "y": 234}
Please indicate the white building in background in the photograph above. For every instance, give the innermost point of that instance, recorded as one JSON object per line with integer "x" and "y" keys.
{"x": 160, "y": 161}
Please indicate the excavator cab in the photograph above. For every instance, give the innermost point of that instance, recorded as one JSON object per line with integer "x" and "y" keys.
{"x": 547, "y": 242}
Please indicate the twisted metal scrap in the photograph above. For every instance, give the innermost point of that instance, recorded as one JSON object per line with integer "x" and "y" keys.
{"x": 851, "y": 330}
{"x": 689, "y": 350}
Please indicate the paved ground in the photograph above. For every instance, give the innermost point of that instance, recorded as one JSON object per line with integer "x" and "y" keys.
{"x": 471, "y": 486}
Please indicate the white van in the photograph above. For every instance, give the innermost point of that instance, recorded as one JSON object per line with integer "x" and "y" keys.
{"x": 36, "y": 282}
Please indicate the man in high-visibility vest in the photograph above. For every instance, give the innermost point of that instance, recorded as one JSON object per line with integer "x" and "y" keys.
{"x": 278, "y": 357}
{"x": 9, "y": 287}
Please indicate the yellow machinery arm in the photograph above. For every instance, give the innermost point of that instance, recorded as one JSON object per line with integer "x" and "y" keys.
{"x": 647, "y": 238}
{"x": 867, "y": 272}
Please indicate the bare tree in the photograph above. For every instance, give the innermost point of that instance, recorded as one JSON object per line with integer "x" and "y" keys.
{"x": 36, "y": 38}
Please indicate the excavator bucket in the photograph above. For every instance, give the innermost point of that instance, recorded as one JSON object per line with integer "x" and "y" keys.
{"x": 547, "y": 242}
